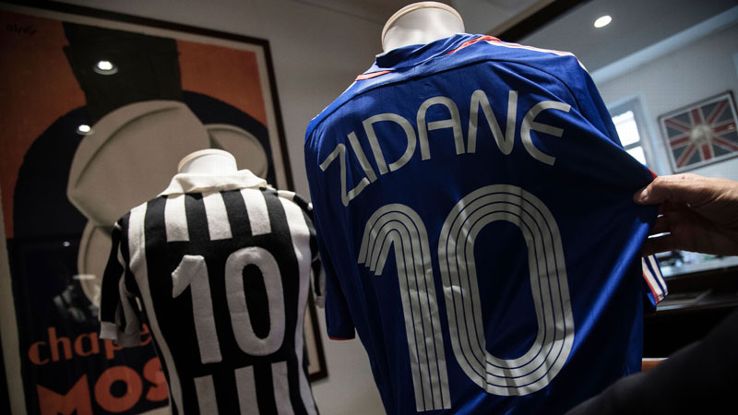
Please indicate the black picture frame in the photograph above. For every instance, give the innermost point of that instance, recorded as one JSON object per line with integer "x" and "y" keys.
{"x": 275, "y": 127}
{"x": 675, "y": 139}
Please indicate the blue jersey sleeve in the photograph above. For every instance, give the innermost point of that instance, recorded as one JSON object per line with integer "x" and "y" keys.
{"x": 594, "y": 131}
{"x": 589, "y": 100}
{"x": 339, "y": 324}
{"x": 593, "y": 109}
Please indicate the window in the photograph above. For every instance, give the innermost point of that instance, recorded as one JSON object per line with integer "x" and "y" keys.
{"x": 627, "y": 120}
{"x": 627, "y": 128}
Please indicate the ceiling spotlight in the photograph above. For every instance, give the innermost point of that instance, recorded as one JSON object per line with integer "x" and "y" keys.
{"x": 84, "y": 129}
{"x": 105, "y": 68}
{"x": 602, "y": 21}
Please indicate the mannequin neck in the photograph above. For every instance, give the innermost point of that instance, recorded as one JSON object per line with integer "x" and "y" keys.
{"x": 420, "y": 23}
{"x": 208, "y": 162}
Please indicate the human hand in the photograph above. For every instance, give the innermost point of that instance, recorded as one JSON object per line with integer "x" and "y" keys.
{"x": 698, "y": 213}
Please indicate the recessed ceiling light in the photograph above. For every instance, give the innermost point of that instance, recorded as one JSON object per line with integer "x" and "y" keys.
{"x": 84, "y": 129}
{"x": 105, "y": 67}
{"x": 602, "y": 21}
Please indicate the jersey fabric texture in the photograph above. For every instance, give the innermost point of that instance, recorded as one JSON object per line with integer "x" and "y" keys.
{"x": 221, "y": 267}
{"x": 474, "y": 208}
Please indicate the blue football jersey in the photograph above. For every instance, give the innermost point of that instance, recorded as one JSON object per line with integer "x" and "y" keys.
{"x": 474, "y": 209}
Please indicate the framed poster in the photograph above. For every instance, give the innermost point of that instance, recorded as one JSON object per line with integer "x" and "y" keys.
{"x": 701, "y": 133}
{"x": 130, "y": 97}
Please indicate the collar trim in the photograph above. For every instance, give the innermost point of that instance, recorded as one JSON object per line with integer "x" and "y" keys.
{"x": 413, "y": 55}
{"x": 200, "y": 183}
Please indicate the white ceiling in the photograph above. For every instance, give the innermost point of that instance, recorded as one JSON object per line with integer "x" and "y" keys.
{"x": 636, "y": 24}
{"x": 480, "y": 16}
{"x": 377, "y": 11}
{"x": 484, "y": 16}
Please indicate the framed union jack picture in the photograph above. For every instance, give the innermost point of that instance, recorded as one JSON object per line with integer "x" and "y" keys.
{"x": 701, "y": 133}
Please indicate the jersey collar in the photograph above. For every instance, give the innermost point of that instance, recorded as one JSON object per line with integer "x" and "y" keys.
{"x": 415, "y": 54}
{"x": 199, "y": 183}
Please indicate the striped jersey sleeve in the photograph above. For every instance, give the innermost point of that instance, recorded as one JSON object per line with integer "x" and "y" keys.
{"x": 119, "y": 313}
{"x": 317, "y": 280}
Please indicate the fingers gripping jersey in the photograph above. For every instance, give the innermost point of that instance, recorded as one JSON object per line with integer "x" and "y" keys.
{"x": 222, "y": 272}
{"x": 475, "y": 208}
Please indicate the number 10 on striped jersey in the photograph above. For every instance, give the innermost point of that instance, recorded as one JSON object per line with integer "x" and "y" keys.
{"x": 192, "y": 271}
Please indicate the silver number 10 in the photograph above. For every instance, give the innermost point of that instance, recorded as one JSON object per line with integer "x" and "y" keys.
{"x": 399, "y": 226}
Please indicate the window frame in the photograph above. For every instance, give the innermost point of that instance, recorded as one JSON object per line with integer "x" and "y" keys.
{"x": 634, "y": 105}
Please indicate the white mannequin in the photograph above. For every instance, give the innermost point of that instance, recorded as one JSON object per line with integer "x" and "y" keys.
{"x": 421, "y": 23}
{"x": 208, "y": 162}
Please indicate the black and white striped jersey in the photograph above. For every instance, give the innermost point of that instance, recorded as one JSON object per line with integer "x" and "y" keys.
{"x": 219, "y": 267}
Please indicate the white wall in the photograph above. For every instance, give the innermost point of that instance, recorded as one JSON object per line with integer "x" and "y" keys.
{"x": 695, "y": 71}
{"x": 317, "y": 53}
